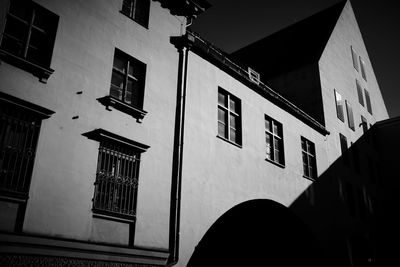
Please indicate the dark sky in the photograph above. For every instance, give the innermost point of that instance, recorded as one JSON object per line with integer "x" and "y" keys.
{"x": 231, "y": 24}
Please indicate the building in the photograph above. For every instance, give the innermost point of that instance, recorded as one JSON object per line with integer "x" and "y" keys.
{"x": 88, "y": 101}
{"x": 144, "y": 137}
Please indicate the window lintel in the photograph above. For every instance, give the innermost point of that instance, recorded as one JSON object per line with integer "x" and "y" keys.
{"x": 42, "y": 112}
{"x": 102, "y": 135}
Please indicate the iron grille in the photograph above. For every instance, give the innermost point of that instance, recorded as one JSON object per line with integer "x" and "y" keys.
{"x": 19, "y": 131}
{"x": 116, "y": 180}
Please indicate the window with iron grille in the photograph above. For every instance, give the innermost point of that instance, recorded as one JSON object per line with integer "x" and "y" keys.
{"x": 355, "y": 58}
{"x": 350, "y": 117}
{"x": 363, "y": 73}
{"x": 309, "y": 159}
{"x": 116, "y": 180}
{"x": 229, "y": 121}
{"x": 29, "y": 36}
{"x": 368, "y": 100}
{"x": 360, "y": 93}
{"x": 138, "y": 10}
{"x": 117, "y": 174}
{"x": 19, "y": 132}
{"x": 339, "y": 106}
{"x": 127, "y": 80}
{"x": 274, "y": 141}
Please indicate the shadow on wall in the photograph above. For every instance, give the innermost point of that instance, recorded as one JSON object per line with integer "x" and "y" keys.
{"x": 351, "y": 208}
{"x": 257, "y": 233}
{"x": 347, "y": 217}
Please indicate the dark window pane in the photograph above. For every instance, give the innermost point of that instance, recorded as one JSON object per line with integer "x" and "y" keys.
{"x": 360, "y": 93}
{"x": 221, "y": 99}
{"x": 232, "y": 122}
{"x": 21, "y": 9}
{"x": 355, "y": 58}
{"x": 127, "y": 6}
{"x": 232, "y": 105}
{"x": 222, "y": 130}
{"x": 268, "y": 125}
{"x": 350, "y": 117}
{"x": 120, "y": 64}
{"x": 275, "y": 126}
{"x": 12, "y": 45}
{"x": 232, "y": 136}
{"x": 339, "y": 106}
{"x": 117, "y": 80}
{"x": 368, "y": 100}
{"x": 221, "y": 115}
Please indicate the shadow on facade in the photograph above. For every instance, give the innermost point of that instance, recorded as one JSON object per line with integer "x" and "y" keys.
{"x": 345, "y": 218}
{"x": 257, "y": 233}
{"x": 351, "y": 207}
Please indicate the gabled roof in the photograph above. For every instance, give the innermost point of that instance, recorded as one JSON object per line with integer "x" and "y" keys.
{"x": 294, "y": 46}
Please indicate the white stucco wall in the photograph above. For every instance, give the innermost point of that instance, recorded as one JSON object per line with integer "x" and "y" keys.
{"x": 64, "y": 173}
{"x": 218, "y": 175}
{"x": 337, "y": 73}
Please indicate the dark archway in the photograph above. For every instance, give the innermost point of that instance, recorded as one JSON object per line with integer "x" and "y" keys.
{"x": 257, "y": 233}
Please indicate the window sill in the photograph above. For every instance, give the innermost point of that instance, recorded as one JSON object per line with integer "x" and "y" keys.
{"x": 112, "y": 216}
{"x": 138, "y": 22}
{"x": 276, "y": 163}
{"x": 108, "y": 101}
{"x": 42, "y": 73}
{"x": 309, "y": 178}
{"x": 229, "y": 141}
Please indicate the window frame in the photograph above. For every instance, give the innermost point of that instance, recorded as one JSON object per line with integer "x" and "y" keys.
{"x": 22, "y": 59}
{"x": 308, "y": 152}
{"x": 354, "y": 57}
{"x": 228, "y": 113}
{"x": 274, "y": 136}
{"x": 344, "y": 148}
{"x": 339, "y": 105}
{"x": 135, "y": 109}
{"x": 363, "y": 69}
{"x": 132, "y": 11}
{"x": 364, "y": 124}
{"x": 121, "y": 144}
{"x": 368, "y": 101}
{"x": 360, "y": 93}
{"x": 350, "y": 115}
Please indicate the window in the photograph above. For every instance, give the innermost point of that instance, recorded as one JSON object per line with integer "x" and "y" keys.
{"x": 364, "y": 124}
{"x": 28, "y": 37}
{"x": 19, "y": 131}
{"x": 138, "y": 10}
{"x": 368, "y": 100}
{"x": 274, "y": 140}
{"x": 309, "y": 159}
{"x": 355, "y": 59}
{"x": 117, "y": 174}
{"x": 127, "y": 85}
{"x": 363, "y": 73}
{"x": 229, "y": 121}
{"x": 343, "y": 147}
{"x": 350, "y": 117}
{"x": 339, "y": 106}
{"x": 360, "y": 93}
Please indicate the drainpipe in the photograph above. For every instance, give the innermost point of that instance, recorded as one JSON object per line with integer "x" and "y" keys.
{"x": 183, "y": 48}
